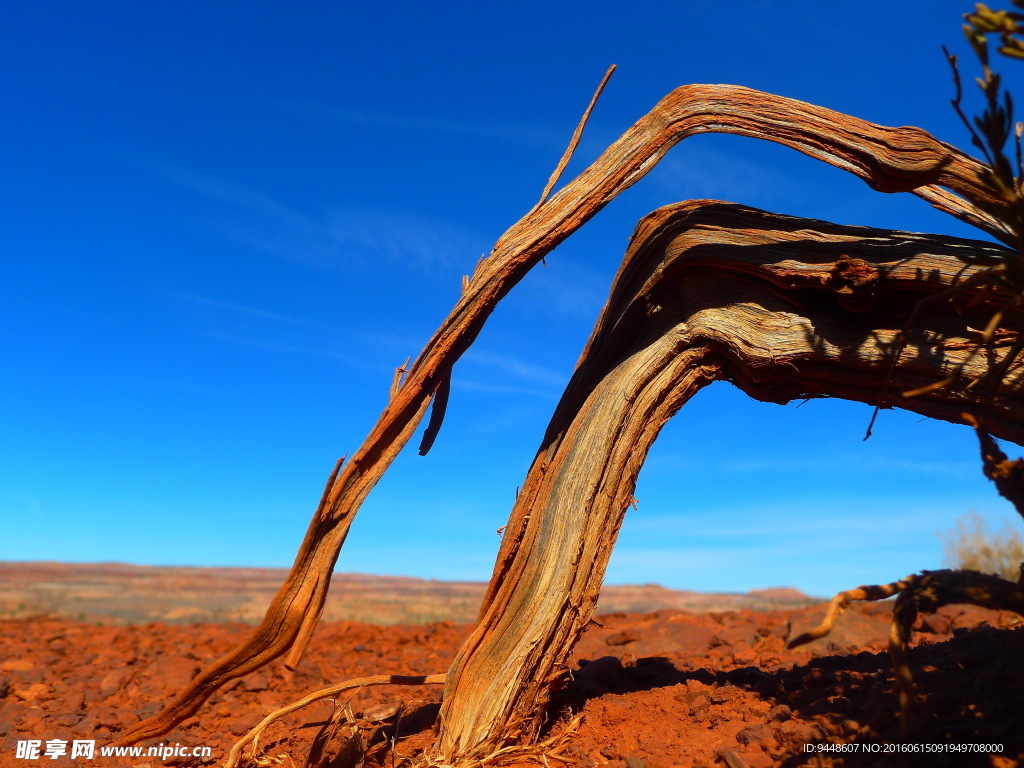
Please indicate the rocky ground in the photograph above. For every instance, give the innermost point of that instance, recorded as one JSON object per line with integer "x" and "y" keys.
{"x": 663, "y": 689}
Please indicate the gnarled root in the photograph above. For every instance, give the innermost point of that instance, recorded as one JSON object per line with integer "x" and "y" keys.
{"x": 252, "y": 736}
{"x": 551, "y": 748}
{"x": 925, "y": 592}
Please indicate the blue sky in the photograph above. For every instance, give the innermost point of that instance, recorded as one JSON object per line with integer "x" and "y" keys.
{"x": 225, "y": 226}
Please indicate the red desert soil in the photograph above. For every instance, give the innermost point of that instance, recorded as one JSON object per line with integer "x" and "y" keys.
{"x": 663, "y": 689}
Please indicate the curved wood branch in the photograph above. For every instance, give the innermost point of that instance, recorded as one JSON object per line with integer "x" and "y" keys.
{"x": 888, "y": 159}
{"x": 236, "y": 753}
{"x": 783, "y": 308}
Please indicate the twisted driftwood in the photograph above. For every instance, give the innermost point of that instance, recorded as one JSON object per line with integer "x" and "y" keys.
{"x": 784, "y": 308}
{"x": 888, "y": 159}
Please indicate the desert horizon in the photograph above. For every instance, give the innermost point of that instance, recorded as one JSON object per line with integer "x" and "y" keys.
{"x": 129, "y": 593}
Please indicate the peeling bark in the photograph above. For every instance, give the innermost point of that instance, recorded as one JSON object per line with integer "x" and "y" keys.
{"x": 783, "y": 308}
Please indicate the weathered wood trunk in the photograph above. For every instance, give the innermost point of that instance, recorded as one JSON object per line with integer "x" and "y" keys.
{"x": 760, "y": 317}
{"x": 784, "y": 308}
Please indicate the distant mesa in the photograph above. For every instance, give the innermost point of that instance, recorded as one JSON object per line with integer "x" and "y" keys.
{"x": 119, "y": 593}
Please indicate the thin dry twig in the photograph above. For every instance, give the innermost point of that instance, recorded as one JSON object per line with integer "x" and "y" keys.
{"x": 575, "y": 140}
{"x": 252, "y": 736}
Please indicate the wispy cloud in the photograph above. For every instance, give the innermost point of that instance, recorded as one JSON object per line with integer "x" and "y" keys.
{"x": 191, "y": 389}
{"x": 851, "y": 464}
{"x": 391, "y": 340}
{"x": 565, "y": 288}
{"x": 700, "y": 171}
{"x": 471, "y": 385}
{"x": 517, "y": 368}
{"x": 846, "y": 464}
{"x": 514, "y": 375}
{"x": 537, "y": 134}
{"x": 293, "y": 349}
{"x": 255, "y": 312}
{"x": 230, "y": 193}
{"x": 808, "y": 522}
{"x": 406, "y": 238}
{"x": 332, "y": 239}
{"x": 820, "y": 548}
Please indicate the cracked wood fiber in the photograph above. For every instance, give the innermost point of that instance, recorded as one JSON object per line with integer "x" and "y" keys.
{"x": 888, "y": 159}
{"x": 784, "y": 308}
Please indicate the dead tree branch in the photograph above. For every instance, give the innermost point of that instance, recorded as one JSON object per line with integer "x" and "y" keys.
{"x": 888, "y": 159}
{"x": 783, "y": 308}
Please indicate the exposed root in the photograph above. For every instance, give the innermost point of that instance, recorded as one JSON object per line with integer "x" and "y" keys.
{"x": 543, "y": 752}
{"x": 841, "y": 601}
{"x": 925, "y": 592}
{"x": 340, "y": 728}
{"x": 252, "y": 736}
{"x": 1006, "y": 474}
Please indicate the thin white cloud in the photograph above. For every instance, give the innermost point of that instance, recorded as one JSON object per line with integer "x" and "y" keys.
{"x": 407, "y": 239}
{"x": 520, "y": 369}
{"x": 846, "y": 464}
{"x": 564, "y": 288}
{"x": 335, "y": 239}
{"x": 470, "y": 385}
{"x": 230, "y": 193}
{"x": 536, "y": 134}
{"x": 821, "y": 523}
{"x": 291, "y": 349}
{"x": 255, "y": 312}
{"x": 191, "y": 389}
{"x": 400, "y": 342}
{"x": 699, "y": 171}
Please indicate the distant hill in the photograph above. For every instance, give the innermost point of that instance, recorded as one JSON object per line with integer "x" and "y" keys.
{"x": 133, "y": 594}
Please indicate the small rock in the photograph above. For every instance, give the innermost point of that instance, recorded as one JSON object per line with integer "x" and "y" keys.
{"x": 935, "y": 624}
{"x": 255, "y": 682}
{"x": 380, "y": 714}
{"x": 114, "y": 681}
{"x": 101, "y": 716}
{"x": 722, "y": 694}
{"x": 755, "y": 734}
{"x": 696, "y": 701}
{"x": 34, "y": 691}
{"x": 731, "y": 759}
{"x": 16, "y": 665}
{"x": 32, "y": 720}
{"x": 176, "y": 673}
{"x": 634, "y": 762}
{"x": 622, "y": 638}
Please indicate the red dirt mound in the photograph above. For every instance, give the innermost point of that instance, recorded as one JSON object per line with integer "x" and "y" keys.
{"x": 663, "y": 689}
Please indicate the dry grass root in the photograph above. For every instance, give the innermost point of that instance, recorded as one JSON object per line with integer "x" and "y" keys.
{"x": 925, "y": 592}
